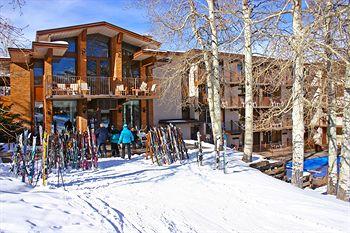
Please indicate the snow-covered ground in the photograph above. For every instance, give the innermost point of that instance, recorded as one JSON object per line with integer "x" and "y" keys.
{"x": 136, "y": 196}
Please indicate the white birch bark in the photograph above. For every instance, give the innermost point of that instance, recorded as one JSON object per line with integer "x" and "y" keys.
{"x": 208, "y": 66}
{"x": 332, "y": 115}
{"x": 216, "y": 122}
{"x": 248, "y": 69}
{"x": 343, "y": 192}
{"x": 297, "y": 97}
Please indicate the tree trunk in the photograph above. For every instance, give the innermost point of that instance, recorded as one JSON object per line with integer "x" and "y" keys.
{"x": 344, "y": 171}
{"x": 332, "y": 115}
{"x": 248, "y": 70}
{"x": 216, "y": 122}
{"x": 208, "y": 67}
{"x": 297, "y": 97}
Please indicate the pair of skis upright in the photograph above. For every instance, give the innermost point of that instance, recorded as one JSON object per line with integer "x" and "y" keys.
{"x": 166, "y": 145}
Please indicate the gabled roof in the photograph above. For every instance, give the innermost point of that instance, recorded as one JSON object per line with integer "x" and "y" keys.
{"x": 98, "y": 27}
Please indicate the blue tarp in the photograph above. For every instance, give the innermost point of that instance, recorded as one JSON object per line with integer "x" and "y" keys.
{"x": 317, "y": 166}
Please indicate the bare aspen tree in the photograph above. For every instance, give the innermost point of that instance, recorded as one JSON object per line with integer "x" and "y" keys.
{"x": 332, "y": 115}
{"x": 216, "y": 121}
{"x": 194, "y": 22}
{"x": 343, "y": 191}
{"x": 297, "y": 96}
{"x": 248, "y": 68}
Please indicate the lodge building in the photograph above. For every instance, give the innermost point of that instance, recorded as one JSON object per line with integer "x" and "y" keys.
{"x": 90, "y": 71}
{"x": 102, "y": 73}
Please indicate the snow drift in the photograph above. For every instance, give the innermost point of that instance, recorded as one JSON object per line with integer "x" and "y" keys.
{"x": 137, "y": 196}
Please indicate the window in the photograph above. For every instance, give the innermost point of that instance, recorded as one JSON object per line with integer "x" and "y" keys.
{"x": 71, "y": 44}
{"x": 62, "y": 112}
{"x": 91, "y": 68}
{"x": 97, "y": 45}
{"x": 5, "y": 87}
{"x": 131, "y": 69}
{"x": 97, "y": 67}
{"x": 104, "y": 68}
{"x": 64, "y": 66}
{"x": 38, "y": 72}
{"x": 239, "y": 68}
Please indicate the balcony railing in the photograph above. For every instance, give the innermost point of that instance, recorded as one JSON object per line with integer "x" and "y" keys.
{"x": 233, "y": 78}
{"x": 94, "y": 86}
{"x": 233, "y": 102}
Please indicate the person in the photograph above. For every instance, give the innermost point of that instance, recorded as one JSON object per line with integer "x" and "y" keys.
{"x": 68, "y": 125}
{"x": 126, "y": 138}
{"x": 115, "y": 134}
{"x": 102, "y": 135}
{"x": 134, "y": 133}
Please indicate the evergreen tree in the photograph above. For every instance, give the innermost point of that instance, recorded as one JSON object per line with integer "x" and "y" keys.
{"x": 10, "y": 124}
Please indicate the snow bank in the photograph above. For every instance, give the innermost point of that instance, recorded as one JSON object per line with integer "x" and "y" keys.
{"x": 24, "y": 209}
{"x": 136, "y": 196}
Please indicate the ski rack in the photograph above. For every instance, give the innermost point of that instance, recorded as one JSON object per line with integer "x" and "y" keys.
{"x": 58, "y": 151}
{"x": 165, "y": 145}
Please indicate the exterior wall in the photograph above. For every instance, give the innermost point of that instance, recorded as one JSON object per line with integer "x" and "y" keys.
{"x": 21, "y": 91}
{"x": 168, "y": 106}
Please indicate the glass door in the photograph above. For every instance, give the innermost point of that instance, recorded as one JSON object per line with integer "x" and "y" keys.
{"x": 132, "y": 114}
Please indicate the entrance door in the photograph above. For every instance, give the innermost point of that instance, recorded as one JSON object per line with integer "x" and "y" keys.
{"x": 62, "y": 112}
{"x": 132, "y": 114}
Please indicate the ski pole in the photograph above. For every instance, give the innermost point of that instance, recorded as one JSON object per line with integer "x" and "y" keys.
{"x": 224, "y": 155}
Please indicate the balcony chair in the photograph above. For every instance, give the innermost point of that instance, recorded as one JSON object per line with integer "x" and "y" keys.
{"x": 143, "y": 88}
{"x": 120, "y": 90}
{"x": 84, "y": 88}
{"x": 74, "y": 87}
{"x": 153, "y": 89}
{"x": 61, "y": 89}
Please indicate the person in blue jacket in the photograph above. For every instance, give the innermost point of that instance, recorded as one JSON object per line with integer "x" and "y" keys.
{"x": 126, "y": 138}
{"x": 115, "y": 134}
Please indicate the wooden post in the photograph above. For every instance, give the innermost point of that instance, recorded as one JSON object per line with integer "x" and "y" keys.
{"x": 116, "y": 59}
{"x": 48, "y": 105}
{"x": 143, "y": 109}
{"x": 150, "y": 113}
{"x": 81, "y": 120}
{"x": 81, "y": 58}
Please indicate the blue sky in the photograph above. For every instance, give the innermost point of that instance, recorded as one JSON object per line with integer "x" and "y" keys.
{"x": 45, "y": 14}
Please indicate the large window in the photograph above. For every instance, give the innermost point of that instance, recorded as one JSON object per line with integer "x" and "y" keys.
{"x": 91, "y": 67}
{"x": 71, "y": 44}
{"x": 64, "y": 66}
{"x": 97, "y": 46}
{"x": 104, "y": 68}
{"x": 38, "y": 72}
{"x": 131, "y": 68}
{"x": 97, "y": 67}
{"x": 97, "y": 51}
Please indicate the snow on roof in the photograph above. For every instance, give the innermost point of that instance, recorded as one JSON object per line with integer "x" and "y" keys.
{"x": 54, "y": 42}
{"x": 164, "y": 51}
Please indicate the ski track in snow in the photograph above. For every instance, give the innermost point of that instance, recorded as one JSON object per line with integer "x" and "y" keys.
{"x": 137, "y": 196}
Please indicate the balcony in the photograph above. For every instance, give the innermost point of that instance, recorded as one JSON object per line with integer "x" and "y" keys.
{"x": 233, "y": 78}
{"x": 94, "y": 87}
{"x": 234, "y": 127}
{"x": 232, "y": 103}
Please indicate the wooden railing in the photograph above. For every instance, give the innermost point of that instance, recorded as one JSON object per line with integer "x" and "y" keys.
{"x": 233, "y": 102}
{"x": 98, "y": 85}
